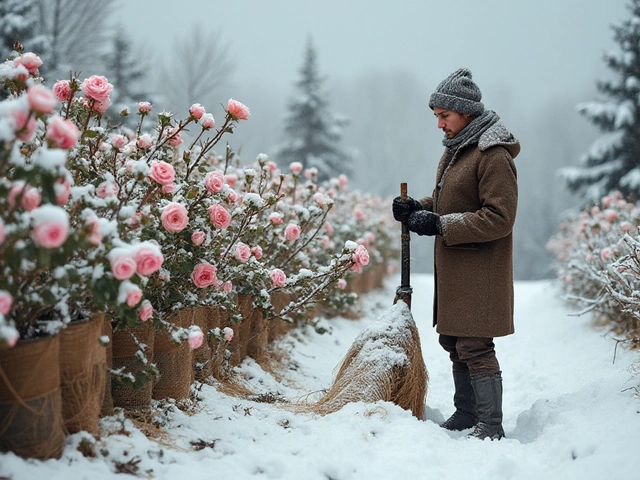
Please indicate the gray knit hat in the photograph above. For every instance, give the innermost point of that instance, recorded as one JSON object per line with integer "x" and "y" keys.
{"x": 458, "y": 93}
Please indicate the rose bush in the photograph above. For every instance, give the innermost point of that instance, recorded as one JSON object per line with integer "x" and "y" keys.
{"x": 598, "y": 262}
{"x": 142, "y": 224}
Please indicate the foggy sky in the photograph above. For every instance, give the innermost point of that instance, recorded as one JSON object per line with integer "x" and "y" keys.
{"x": 540, "y": 48}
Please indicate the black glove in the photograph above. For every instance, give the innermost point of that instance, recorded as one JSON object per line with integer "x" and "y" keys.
{"x": 403, "y": 208}
{"x": 424, "y": 223}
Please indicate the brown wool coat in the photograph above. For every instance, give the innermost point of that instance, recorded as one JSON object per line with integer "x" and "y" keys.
{"x": 477, "y": 204}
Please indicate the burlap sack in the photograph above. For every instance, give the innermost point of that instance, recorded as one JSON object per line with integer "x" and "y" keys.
{"x": 202, "y": 363}
{"x": 83, "y": 367}
{"x": 174, "y": 361}
{"x": 30, "y": 402}
{"x": 278, "y": 327}
{"x": 123, "y": 355}
{"x": 220, "y": 318}
{"x": 258, "y": 336}
{"x": 107, "y": 402}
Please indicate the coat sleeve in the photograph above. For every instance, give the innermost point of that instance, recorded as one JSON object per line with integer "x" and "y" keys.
{"x": 498, "y": 196}
{"x": 427, "y": 203}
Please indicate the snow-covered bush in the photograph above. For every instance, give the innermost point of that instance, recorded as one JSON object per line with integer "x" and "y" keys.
{"x": 597, "y": 260}
{"x": 147, "y": 223}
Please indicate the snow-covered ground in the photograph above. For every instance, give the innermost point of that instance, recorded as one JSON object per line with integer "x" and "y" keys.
{"x": 570, "y": 412}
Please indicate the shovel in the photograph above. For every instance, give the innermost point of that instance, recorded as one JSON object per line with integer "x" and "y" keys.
{"x": 404, "y": 291}
{"x": 385, "y": 361}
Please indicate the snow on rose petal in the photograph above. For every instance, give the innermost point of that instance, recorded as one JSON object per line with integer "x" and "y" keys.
{"x": 195, "y": 337}
{"x": 238, "y": 110}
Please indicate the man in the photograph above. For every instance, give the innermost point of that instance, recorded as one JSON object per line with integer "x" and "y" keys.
{"x": 471, "y": 215}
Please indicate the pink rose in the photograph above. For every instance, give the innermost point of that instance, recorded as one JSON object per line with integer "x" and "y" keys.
{"x": 146, "y": 310}
{"x": 204, "y": 275}
{"x": 101, "y": 106}
{"x": 311, "y": 173}
{"x": 174, "y": 217}
{"x": 40, "y": 99}
{"x": 296, "y": 167}
{"x": 168, "y": 188}
{"x": 50, "y": 226}
{"x": 320, "y": 200}
{"x": 342, "y": 284}
{"x": 148, "y": 259}
{"x": 237, "y": 110}
{"x": 276, "y": 218}
{"x": 360, "y": 256}
{"x": 227, "y": 286}
{"x": 197, "y": 111}
{"x": 122, "y": 266}
{"x": 227, "y": 333}
{"x": 343, "y": 180}
{"x": 174, "y": 137}
{"x": 1, "y": 231}
{"x": 30, "y": 197}
{"x": 62, "y": 189}
{"x": 62, "y": 90}
{"x": 292, "y": 232}
{"x": 144, "y": 107}
{"x": 606, "y": 254}
{"x": 25, "y": 124}
{"x": 145, "y": 141}
{"x": 107, "y": 189}
{"x": 257, "y": 252}
{"x": 219, "y": 216}
{"x": 231, "y": 179}
{"x": 162, "y": 172}
{"x": 243, "y": 252}
{"x": 97, "y": 88}
{"x": 358, "y": 213}
{"x": 119, "y": 141}
{"x": 214, "y": 181}
{"x": 232, "y": 196}
{"x": 626, "y": 226}
{"x": 610, "y": 215}
{"x": 198, "y": 237}
{"x": 134, "y": 295}
{"x": 30, "y": 61}
{"x": 278, "y": 277}
{"x": 195, "y": 337}
{"x": 5, "y": 302}
{"x": 207, "y": 121}
{"x": 62, "y": 133}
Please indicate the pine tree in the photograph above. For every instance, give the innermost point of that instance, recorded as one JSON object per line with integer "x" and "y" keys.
{"x": 313, "y": 135}
{"x": 613, "y": 161}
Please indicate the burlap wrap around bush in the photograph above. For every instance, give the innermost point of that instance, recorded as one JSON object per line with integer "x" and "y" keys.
{"x": 123, "y": 355}
{"x": 83, "y": 368}
{"x": 174, "y": 361}
{"x": 30, "y": 400}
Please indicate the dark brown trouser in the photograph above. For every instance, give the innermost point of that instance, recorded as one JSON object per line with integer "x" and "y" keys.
{"x": 478, "y": 355}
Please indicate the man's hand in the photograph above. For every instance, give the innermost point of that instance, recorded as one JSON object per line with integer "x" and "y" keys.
{"x": 424, "y": 223}
{"x": 403, "y": 208}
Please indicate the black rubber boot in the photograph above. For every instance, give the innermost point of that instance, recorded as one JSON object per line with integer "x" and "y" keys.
{"x": 488, "y": 391}
{"x": 464, "y": 400}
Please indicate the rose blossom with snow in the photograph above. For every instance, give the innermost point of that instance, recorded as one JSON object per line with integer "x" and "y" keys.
{"x": 30, "y": 61}
{"x": 195, "y": 337}
{"x": 107, "y": 189}
{"x": 174, "y": 217}
{"x": 342, "y": 284}
{"x": 123, "y": 265}
{"x": 278, "y": 277}
{"x": 197, "y": 111}
{"x": 227, "y": 286}
{"x": 148, "y": 258}
{"x": 207, "y": 121}
{"x": 227, "y": 333}
{"x": 198, "y": 237}
{"x": 62, "y": 133}
{"x": 41, "y": 99}
{"x": 25, "y": 124}
{"x": 276, "y": 218}
{"x": 219, "y": 216}
{"x": 257, "y": 252}
{"x": 162, "y": 172}
{"x": 214, "y": 182}
{"x": 30, "y": 197}
{"x": 292, "y": 232}
{"x": 145, "y": 141}
{"x": 204, "y": 274}
{"x": 1, "y": 231}
{"x": 144, "y": 107}
{"x": 242, "y": 252}
{"x": 5, "y": 302}
{"x": 97, "y": 88}
{"x": 146, "y": 310}
{"x": 62, "y": 90}
{"x": 238, "y": 110}
{"x": 50, "y": 226}
{"x": 296, "y": 167}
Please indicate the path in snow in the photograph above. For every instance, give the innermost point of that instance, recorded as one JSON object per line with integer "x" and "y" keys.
{"x": 570, "y": 413}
